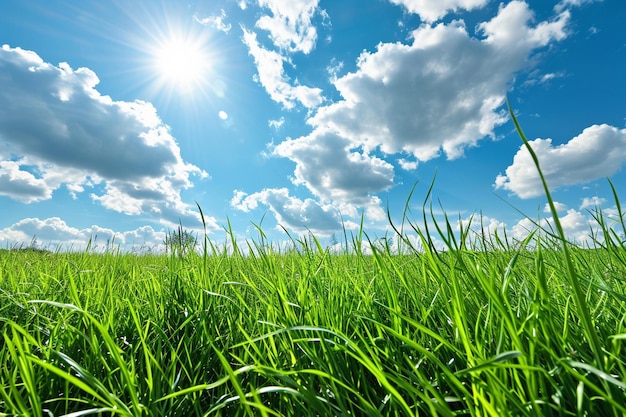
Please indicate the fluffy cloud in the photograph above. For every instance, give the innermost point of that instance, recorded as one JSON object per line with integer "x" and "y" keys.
{"x": 443, "y": 91}
{"x": 579, "y": 227}
{"x": 21, "y": 184}
{"x": 576, "y": 226}
{"x": 560, "y": 207}
{"x": 53, "y": 233}
{"x": 334, "y": 171}
{"x": 592, "y": 202}
{"x": 270, "y": 67}
{"x": 429, "y": 10}
{"x": 599, "y": 151}
{"x": 407, "y": 165}
{"x": 57, "y": 129}
{"x": 291, "y": 212}
{"x": 290, "y": 24}
{"x": 481, "y": 227}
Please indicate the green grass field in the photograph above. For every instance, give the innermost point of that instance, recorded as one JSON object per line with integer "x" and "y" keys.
{"x": 485, "y": 328}
{"x": 308, "y": 332}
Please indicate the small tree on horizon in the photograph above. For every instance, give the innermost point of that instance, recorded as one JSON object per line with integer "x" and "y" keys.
{"x": 180, "y": 241}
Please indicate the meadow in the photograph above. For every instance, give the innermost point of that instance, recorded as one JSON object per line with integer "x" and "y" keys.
{"x": 486, "y": 327}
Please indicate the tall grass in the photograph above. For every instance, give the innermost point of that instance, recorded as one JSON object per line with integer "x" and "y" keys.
{"x": 487, "y": 327}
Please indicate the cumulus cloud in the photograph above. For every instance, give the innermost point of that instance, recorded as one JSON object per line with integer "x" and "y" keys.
{"x": 291, "y": 212}
{"x": 54, "y": 233}
{"x": 482, "y": 227}
{"x": 577, "y": 227}
{"x": 599, "y": 151}
{"x": 271, "y": 75}
{"x": 580, "y": 227}
{"x": 429, "y": 10}
{"x": 333, "y": 170}
{"x": 290, "y": 25}
{"x": 560, "y": 207}
{"x": 58, "y": 130}
{"x": 443, "y": 91}
{"x": 592, "y": 202}
{"x": 407, "y": 165}
{"x": 21, "y": 184}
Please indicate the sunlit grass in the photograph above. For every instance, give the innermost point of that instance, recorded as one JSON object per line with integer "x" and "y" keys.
{"x": 488, "y": 327}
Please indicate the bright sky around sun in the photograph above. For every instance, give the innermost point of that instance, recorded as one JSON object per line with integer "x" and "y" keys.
{"x": 119, "y": 118}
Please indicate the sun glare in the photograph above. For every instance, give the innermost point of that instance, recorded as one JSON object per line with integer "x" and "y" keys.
{"x": 181, "y": 64}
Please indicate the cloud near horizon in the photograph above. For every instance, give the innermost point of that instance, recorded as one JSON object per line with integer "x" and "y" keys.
{"x": 577, "y": 227}
{"x": 599, "y": 151}
{"x": 55, "y": 234}
{"x": 291, "y": 212}
{"x": 57, "y": 129}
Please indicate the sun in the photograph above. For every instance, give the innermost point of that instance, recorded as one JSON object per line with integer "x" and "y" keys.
{"x": 181, "y": 64}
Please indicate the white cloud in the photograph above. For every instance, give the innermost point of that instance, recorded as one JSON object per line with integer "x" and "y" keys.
{"x": 547, "y": 77}
{"x": 599, "y": 151}
{"x": 430, "y": 10}
{"x": 407, "y": 165}
{"x": 444, "y": 91}
{"x": 57, "y": 129}
{"x": 592, "y": 202}
{"x": 22, "y": 185}
{"x": 54, "y": 233}
{"x": 577, "y": 227}
{"x": 217, "y": 22}
{"x": 334, "y": 68}
{"x": 333, "y": 170}
{"x": 566, "y": 4}
{"x": 505, "y": 29}
{"x": 290, "y": 24}
{"x": 537, "y": 77}
{"x": 560, "y": 207}
{"x": 291, "y": 212}
{"x": 523, "y": 228}
{"x": 271, "y": 75}
{"x": 481, "y": 227}
{"x": 276, "y": 124}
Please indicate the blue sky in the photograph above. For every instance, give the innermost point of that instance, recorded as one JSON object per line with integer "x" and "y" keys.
{"x": 117, "y": 117}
